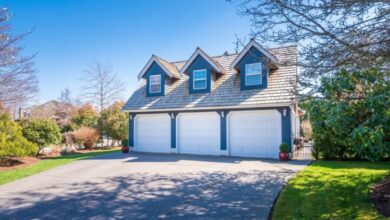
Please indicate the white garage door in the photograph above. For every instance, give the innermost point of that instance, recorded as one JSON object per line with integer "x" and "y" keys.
{"x": 152, "y": 133}
{"x": 255, "y": 133}
{"x": 199, "y": 133}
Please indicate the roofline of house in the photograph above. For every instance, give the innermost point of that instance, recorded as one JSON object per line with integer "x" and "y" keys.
{"x": 281, "y": 104}
{"x": 149, "y": 63}
{"x": 251, "y": 44}
{"x": 200, "y": 52}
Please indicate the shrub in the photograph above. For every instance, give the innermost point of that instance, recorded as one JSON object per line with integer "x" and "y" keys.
{"x": 12, "y": 142}
{"x": 86, "y": 136}
{"x": 125, "y": 142}
{"x": 283, "y": 147}
{"x": 113, "y": 122}
{"x": 351, "y": 120}
{"x": 42, "y": 132}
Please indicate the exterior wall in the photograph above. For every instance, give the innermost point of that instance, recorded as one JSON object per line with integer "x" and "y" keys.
{"x": 286, "y": 124}
{"x": 199, "y": 63}
{"x": 131, "y": 129}
{"x": 173, "y": 129}
{"x": 253, "y": 56}
{"x": 155, "y": 69}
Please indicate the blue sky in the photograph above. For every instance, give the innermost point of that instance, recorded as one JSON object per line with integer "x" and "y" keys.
{"x": 69, "y": 34}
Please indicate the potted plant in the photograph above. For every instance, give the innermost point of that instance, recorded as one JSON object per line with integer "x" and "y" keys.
{"x": 283, "y": 152}
{"x": 125, "y": 146}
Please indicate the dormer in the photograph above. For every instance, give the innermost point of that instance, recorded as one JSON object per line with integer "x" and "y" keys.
{"x": 201, "y": 69}
{"x": 155, "y": 73}
{"x": 254, "y": 63}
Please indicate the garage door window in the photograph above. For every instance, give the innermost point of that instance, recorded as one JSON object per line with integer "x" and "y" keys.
{"x": 253, "y": 74}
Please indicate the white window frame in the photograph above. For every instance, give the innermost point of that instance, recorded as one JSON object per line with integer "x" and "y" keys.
{"x": 202, "y": 79}
{"x": 253, "y": 74}
{"x": 152, "y": 83}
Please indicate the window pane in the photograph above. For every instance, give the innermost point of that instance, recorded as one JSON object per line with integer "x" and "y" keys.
{"x": 253, "y": 79}
{"x": 200, "y": 74}
{"x": 253, "y": 68}
{"x": 155, "y": 88}
{"x": 200, "y": 84}
{"x": 155, "y": 79}
{"x": 253, "y": 74}
{"x": 155, "y": 83}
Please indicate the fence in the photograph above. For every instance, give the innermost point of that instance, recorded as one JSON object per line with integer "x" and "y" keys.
{"x": 303, "y": 151}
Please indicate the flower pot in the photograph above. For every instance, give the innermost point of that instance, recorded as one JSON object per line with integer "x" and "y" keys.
{"x": 283, "y": 156}
{"x": 125, "y": 149}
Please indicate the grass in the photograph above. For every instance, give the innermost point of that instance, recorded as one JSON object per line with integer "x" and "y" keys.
{"x": 331, "y": 190}
{"x": 45, "y": 164}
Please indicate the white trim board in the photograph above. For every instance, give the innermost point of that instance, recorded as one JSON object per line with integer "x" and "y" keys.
{"x": 286, "y": 104}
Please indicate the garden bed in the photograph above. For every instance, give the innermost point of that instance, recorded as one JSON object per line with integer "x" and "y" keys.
{"x": 380, "y": 195}
{"x": 17, "y": 162}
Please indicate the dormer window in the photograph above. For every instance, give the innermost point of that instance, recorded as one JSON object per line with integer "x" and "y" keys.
{"x": 253, "y": 74}
{"x": 155, "y": 83}
{"x": 200, "y": 79}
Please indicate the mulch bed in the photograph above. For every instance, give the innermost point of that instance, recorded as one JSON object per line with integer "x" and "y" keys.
{"x": 16, "y": 162}
{"x": 380, "y": 195}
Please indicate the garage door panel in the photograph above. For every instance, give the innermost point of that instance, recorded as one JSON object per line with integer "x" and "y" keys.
{"x": 254, "y": 133}
{"x": 153, "y": 133}
{"x": 199, "y": 133}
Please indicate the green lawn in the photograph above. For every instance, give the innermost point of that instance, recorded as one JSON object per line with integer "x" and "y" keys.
{"x": 45, "y": 164}
{"x": 331, "y": 190}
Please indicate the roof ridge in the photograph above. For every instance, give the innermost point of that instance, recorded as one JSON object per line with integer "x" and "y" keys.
{"x": 232, "y": 54}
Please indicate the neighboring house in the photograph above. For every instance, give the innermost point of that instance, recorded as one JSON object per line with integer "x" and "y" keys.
{"x": 54, "y": 110}
{"x": 235, "y": 105}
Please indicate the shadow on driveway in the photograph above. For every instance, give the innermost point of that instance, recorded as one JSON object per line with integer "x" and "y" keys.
{"x": 150, "y": 195}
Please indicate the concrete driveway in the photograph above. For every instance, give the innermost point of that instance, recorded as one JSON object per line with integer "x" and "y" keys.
{"x": 149, "y": 186}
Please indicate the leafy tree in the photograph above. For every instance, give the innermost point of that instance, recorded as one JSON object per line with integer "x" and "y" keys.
{"x": 113, "y": 122}
{"x": 12, "y": 142}
{"x": 352, "y": 117}
{"x": 42, "y": 132}
{"x": 85, "y": 116}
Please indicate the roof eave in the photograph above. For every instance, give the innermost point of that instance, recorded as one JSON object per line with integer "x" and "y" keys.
{"x": 200, "y": 52}
{"x": 150, "y": 62}
{"x": 241, "y": 106}
{"x": 274, "y": 61}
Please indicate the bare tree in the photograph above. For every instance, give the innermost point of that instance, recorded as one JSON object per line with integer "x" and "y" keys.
{"x": 330, "y": 34}
{"x": 18, "y": 83}
{"x": 101, "y": 86}
{"x": 65, "y": 96}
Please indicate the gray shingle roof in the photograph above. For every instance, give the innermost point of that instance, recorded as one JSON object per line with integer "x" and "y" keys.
{"x": 225, "y": 90}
